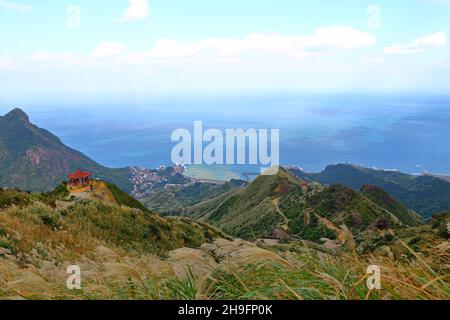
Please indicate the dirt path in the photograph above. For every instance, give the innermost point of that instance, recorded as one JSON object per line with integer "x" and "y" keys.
{"x": 276, "y": 203}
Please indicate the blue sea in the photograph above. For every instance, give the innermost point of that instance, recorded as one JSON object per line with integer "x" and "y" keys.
{"x": 407, "y": 133}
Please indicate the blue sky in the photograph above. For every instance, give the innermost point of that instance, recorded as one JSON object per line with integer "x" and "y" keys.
{"x": 143, "y": 47}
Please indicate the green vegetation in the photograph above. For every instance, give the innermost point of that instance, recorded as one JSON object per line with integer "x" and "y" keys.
{"x": 19, "y": 198}
{"x": 384, "y": 200}
{"x": 173, "y": 200}
{"x": 83, "y": 224}
{"x": 425, "y": 194}
{"x": 33, "y": 159}
{"x": 127, "y": 253}
{"x": 124, "y": 199}
{"x": 441, "y": 223}
{"x": 251, "y": 213}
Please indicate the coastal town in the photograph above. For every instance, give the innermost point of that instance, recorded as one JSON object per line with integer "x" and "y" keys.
{"x": 145, "y": 181}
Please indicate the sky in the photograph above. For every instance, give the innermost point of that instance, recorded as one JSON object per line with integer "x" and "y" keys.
{"x": 138, "y": 48}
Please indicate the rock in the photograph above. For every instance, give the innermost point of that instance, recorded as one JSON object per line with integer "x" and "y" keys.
{"x": 4, "y": 251}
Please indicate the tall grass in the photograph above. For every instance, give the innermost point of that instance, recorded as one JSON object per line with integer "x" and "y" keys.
{"x": 37, "y": 244}
{"x": 311, "y": 275}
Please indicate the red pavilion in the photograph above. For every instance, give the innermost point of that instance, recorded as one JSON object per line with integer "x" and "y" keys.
{"x": 80, "y": 178}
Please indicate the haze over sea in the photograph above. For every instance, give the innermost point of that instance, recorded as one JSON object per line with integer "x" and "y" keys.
{"x": 407, "y": 133}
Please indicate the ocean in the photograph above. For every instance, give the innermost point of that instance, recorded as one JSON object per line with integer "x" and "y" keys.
{"x": 406, "y": 133}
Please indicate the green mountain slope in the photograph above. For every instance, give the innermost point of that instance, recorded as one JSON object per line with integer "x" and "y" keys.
{"x": 127, "y": 253}
{"x": 125, "y": 223}
{"x": 425, "y": 194}
{"x": 175, "y": 198}
{"x": 283, "y": 201}
{"x": 99, "y": 190}
{"x": 384, "y": 200}
{"x": 33, "y": 159}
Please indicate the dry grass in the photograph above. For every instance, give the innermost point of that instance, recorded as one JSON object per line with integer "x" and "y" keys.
{"x": 194, "y": 275}
{"x": 38, "y": 243}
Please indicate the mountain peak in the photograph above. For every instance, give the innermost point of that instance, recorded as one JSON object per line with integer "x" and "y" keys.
{"x": 18, "y": 114}
{"x": 343, "y": 166}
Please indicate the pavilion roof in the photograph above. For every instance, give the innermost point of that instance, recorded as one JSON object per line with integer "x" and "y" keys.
{"x": 79, "y": 174}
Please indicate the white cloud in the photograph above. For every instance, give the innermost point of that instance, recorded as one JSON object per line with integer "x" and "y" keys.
{"x": 323, "y": 40}
{"x": 107, "y": 50}
{"x": 39, "y": 56}
{"x": 256, "y": 50}
{"x": 15, "y": 6}
{"x": 372, "y": 59}
{"x": 338, "y": 37}
{"x": 137, "y": 9}
{"x": 70, "y": 58}
{"x": 8, "y": 63}
{"x": 438, "y": 39}
{"x": 434, "y": 40}
{"x": 47, "y": 60}
{"x": 259, "y": 56}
